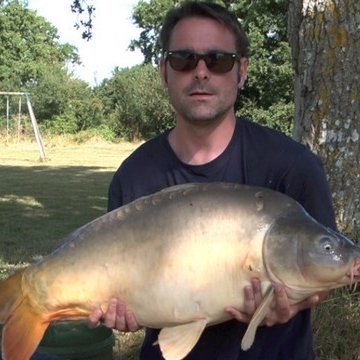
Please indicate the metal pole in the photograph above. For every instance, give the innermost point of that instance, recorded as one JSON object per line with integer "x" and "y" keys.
{"x": 32, "y": 117}
{"x": 7, "y": 119}
{"x": 35, "y": 127}
{"x": 19, "y": 120}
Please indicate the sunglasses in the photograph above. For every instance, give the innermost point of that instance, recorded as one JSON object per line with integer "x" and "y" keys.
{"x": 217, "y": 62}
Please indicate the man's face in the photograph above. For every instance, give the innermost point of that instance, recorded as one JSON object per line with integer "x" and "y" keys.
{"x": 201, "y": 95}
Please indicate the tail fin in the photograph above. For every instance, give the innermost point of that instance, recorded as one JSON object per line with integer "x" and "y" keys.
{"x": 22, "y": 333}
{"x": 24, "y": 327}
{"x": 10, "y": 292}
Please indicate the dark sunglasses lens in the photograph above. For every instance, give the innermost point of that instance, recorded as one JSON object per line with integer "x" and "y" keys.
{"x": 219, "y": 62}
{"x": 187, "y": 61}
{"x": 182, "y": 61}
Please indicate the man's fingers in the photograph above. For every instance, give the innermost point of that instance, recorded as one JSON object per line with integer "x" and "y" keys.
{"x": 283, "y": 310}
{"x": 131, "y": 321}
{"x": 280, "y": 314}
{"x": 94, "y": 318}
{"x": 308, "y": 303}
{"x": 125, "y": 320}
{"x": 110, "y": 315}
{"x": 117, "y": 316}
{"x": 238, "y": 315}
{"x": 249, "y": 301}
{"x": 256, "y": 285}
{"x": 120, "y": 321}
{"x": 252, "y": 298}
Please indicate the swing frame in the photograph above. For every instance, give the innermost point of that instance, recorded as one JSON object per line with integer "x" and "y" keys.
{"x": 32, "y": 118}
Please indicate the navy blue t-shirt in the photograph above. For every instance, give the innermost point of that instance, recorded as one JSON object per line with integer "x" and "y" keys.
{"x": 256, "y": 155}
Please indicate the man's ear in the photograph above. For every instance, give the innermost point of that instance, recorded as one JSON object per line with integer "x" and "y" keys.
{"x": 242, "y": 75}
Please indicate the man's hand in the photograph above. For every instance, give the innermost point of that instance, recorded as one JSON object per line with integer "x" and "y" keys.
{"x": 282, "y": 312}
{"x": 117, "y": 316}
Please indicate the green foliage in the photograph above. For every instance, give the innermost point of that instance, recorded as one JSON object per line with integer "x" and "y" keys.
{"x": 63, "y": 104}
{"x": 32, "y": 59}
{"x": 148, "y": 16}
{"x": 78, "y": 7}
{"x": 27, "y": 42}
{"x": 136, "y": 103}
{"x": 48, "y": 94}
{"x": 268, "y": 94}
{"x": 78, "y": 107}
{"x": 60, "y": 124}
{"x": 277, "y": 116}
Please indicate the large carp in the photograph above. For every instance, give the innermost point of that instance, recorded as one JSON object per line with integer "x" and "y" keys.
{"x": 177, "y": 259}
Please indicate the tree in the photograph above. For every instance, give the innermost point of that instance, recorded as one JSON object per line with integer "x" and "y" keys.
{"x": 136, "y": 103}
{"x": 32, "y": 59}
{"x": 326, "y": 55}
{"x": 27, "y": 42}
{"x": 148, "y": 16}
{"x": 63, "y": 104}
{"x": 268, "y": 94}
{"x": 79, "y": 7}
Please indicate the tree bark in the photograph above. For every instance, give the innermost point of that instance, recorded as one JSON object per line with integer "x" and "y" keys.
{"x": 325, "y": 40}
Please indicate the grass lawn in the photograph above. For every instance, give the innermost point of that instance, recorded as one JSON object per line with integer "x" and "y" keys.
{"x": 41, "y": 202}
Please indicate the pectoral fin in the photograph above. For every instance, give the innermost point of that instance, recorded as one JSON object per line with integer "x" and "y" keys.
{"x": 258, "y": 316}
{"x": 177, "y": 341}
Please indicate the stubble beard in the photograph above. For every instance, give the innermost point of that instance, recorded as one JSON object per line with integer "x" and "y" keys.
{"x": 201, "y": 113}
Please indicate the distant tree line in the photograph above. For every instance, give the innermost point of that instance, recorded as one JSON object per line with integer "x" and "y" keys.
{"x": 132, "y": 104}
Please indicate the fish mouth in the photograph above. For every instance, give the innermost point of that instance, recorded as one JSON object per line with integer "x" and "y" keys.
{"x": 354, "y": 273}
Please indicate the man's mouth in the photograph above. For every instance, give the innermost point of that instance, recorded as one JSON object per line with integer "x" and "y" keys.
{"x": 200, "y": 94}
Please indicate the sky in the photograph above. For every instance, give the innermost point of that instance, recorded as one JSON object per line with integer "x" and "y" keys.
{"x": 112, "y": 32}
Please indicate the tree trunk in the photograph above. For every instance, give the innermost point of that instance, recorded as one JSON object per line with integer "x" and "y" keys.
{"x": 325, "y": 41}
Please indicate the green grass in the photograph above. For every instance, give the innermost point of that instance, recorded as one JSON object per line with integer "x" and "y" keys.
{"x": 336, "y": 324}
{"x": 41, "y": 202}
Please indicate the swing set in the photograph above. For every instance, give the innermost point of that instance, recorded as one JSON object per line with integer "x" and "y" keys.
{"x": 32, "y": 118}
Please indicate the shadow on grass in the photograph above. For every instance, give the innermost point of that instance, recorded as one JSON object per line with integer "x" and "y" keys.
{"x": 40, "y": 205}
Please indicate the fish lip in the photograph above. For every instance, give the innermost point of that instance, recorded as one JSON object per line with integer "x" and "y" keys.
{"x": 354, "y": 272}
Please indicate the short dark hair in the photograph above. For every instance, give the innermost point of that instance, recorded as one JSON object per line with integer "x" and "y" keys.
{"x": 205, "y": 9}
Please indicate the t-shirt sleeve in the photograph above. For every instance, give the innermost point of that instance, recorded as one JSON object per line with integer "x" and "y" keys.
{"x": 307, "y": 183}
{"x": 115, "y": 198}
{"x": 143, "y": 172}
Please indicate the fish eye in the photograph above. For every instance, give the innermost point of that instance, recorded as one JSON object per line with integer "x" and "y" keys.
{"x": 327, "y": 247}
{"x": 327, "y": 244}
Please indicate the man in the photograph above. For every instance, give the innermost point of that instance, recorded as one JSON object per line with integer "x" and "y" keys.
{"x": 204, "y": 64}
